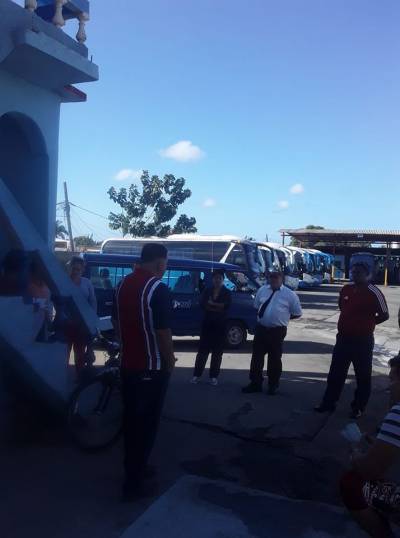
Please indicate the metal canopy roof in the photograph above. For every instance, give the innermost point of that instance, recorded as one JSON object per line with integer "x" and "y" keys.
{"x": 343, "y": 236}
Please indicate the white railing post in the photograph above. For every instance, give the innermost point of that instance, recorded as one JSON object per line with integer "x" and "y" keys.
{"x": 30, "y": 5}
{"x": 58, "y": 19}
{"x": 81, "y": 35}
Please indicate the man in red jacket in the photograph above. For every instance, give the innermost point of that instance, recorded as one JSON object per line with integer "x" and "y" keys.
{"x": 142, "y": 319}
{"x": 362, "y": 307}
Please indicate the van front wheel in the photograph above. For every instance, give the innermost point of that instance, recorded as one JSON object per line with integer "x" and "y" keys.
{"x": 236, "y": 334}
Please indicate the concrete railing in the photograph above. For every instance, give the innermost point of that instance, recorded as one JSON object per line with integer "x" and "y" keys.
{"x": 59, "y": 11}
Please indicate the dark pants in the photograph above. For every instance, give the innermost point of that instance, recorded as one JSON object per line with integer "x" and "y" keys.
{"x": 143, "y": 395}
{"x": 212, "y": 340}
{"x": 356, "y": 350}
{"x": 267, "y": 340}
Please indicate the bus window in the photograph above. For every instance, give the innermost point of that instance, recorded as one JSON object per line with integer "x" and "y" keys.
{"x": 237, "y": 256}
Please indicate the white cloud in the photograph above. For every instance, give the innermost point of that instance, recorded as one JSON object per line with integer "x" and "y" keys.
{"x": 209, "y": 202}
{"x": 183, "y": 151}
{"x": 128, "y": 173}
{"x": 297, "y": 188}
{"x": 283, "y": 204}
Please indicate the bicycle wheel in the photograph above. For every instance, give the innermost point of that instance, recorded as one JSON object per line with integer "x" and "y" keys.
{"x": 95, "y": 413}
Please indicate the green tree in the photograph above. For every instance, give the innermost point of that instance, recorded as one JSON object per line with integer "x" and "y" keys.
{"x": 148, "y": 209}
{"x": 61, "y": 232}
{"x": 85, "y": 241}
{"x": 296, "y": 243}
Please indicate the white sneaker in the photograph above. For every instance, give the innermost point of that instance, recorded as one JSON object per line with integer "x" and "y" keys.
{"x": 195, "y": 380}
{"x": 213, "y": 381}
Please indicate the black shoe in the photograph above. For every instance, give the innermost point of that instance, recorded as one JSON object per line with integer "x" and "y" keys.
{"x": 252, "y": 387}
{"x": 322, "y": 408}
{"x": 356, "y": 414}
{"x": 272, "y": 390}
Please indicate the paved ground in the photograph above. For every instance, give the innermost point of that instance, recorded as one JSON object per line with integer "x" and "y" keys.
{"x": 273, "y": 445}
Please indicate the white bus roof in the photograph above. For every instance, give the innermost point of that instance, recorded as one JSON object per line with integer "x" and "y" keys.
{"x": 177, "y": 237}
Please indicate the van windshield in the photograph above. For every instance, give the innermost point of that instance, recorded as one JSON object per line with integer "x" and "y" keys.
{"x": 239, "y": 282}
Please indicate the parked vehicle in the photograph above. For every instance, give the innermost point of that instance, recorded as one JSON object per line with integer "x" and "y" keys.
{"x": 287, "y": 264}
{"x": 186, "y": 279}
{"x": 221, "y": 248}
{"x": 305, "y": 264}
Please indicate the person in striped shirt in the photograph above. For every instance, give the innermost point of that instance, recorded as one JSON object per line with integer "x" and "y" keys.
{"x": 362, "y": 307}
{"x": 371, "y": 499}
{"x": 142, "y": 318}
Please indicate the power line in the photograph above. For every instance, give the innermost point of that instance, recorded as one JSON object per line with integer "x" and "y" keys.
{"x": 88, "y": 211}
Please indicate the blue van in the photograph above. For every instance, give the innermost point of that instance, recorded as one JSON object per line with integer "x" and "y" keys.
{"x": 186, "y": 279}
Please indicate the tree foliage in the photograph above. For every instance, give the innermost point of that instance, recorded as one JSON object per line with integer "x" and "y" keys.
{"x": 296, "y": 243}
{"x": 85, "y": 241}
{"x": 61, "y": 232}
{"x": 148, "y": 209}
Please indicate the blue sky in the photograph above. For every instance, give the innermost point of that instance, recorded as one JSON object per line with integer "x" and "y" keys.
{"x": 263, "y": 94}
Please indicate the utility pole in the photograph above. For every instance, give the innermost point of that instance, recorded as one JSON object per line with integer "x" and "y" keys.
{"x": 68, "y": 215}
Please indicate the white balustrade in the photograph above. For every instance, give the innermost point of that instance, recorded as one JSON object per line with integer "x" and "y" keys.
{"x": 58, "y": 19}
{"x": 81, "y": 35}
{"x": 30, "y": 5}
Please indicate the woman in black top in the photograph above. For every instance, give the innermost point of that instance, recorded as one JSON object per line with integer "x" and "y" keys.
{"x": 215, "y": 301}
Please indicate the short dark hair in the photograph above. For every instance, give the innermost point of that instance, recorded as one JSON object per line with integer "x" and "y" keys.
{"x": 218, "y": 272}
{"x": 152, "y": 252}
{"x": 361, "y": 265}
{"x": 76, "y": 260}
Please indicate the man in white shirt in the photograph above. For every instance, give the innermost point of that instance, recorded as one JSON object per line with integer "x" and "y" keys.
{"x": 276, "y": 305}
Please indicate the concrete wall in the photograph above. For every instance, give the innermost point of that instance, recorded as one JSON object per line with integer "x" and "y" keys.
{"x": 29, "y": 127}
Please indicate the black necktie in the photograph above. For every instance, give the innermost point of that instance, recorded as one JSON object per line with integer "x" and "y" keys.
{"x": 263, "y": 307}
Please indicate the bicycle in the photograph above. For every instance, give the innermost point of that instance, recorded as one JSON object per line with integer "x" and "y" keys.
{"x": 95, "y": 408}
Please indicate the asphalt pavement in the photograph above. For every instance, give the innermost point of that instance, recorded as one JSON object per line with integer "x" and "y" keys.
{"x": 228, "y": 464}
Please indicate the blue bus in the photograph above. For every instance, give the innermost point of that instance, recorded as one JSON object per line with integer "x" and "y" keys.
{"x": 186, "y": 279}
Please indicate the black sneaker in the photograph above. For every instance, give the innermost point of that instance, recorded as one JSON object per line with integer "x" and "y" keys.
{"x": 322, "y": 408}
{"x": 252, "y": 387}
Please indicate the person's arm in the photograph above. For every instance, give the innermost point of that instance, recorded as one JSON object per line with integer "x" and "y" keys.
{"x": 257, "y": 300}
{"x": 382, "y": 311}
{"x": 165, "y": 345}
{"x": 161, "y": 305}
{"x": 295, "y": 307}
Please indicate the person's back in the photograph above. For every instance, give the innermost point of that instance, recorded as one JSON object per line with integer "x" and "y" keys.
{"x": 142, "y": 317}
{"x": 138, "y": 298}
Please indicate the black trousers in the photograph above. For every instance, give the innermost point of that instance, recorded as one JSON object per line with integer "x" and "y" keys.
{"x": 212, "y": 340}
{"x": 267, "y": 340}
{"x": 143, "y": 396}
{"x": 356, "y": 350}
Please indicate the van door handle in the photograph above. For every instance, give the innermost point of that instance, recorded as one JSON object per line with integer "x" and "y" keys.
{"x": 108, "y": 303}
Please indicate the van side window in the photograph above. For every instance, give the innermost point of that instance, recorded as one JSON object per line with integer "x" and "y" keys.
{"x": 186, "y": 282}
{"x": 239, "y": 282}
{"x": 107, "y": 278}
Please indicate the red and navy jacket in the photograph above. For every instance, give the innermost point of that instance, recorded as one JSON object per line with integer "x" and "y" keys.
{"x": 361, "y": 308}
{"x": 142, "y": 305}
